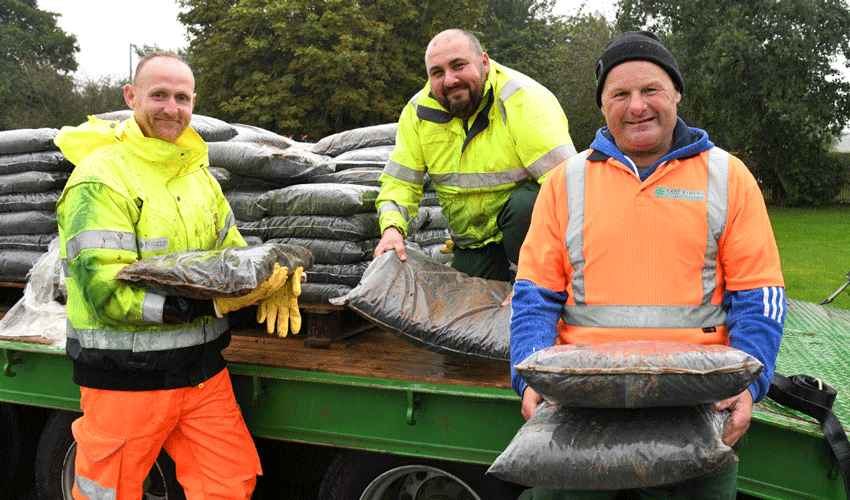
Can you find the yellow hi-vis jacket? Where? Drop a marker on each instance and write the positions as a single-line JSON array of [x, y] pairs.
[[128, 198], [519, 133]]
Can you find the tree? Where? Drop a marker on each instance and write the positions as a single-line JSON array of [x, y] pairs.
[[760, 77], [302, 67], [559, 53], [33, 50], [583, 38]]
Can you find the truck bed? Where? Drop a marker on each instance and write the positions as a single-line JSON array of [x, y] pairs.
[[364, 388]]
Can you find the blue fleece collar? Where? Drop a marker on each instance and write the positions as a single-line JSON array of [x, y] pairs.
[[687, 142]]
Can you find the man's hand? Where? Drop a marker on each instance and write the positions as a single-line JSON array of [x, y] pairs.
[[391, 240], [530, 400], [507, 301], [742, 410]]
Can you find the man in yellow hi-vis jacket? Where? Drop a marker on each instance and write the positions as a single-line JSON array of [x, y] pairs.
[[487, 136], [149, 366]]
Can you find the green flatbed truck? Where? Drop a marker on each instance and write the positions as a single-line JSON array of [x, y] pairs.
[[348, 411]]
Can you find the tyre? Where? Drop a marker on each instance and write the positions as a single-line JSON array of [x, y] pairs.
[[54, 464], [358, 475]]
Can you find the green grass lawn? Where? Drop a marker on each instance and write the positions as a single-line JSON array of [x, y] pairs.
[[814, 246]]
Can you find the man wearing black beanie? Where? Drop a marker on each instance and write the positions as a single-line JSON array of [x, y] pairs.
[[651, 234]]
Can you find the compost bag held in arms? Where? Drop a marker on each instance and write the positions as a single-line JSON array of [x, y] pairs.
[[204, 274], [434, 306], [562, 448], [636, 374]]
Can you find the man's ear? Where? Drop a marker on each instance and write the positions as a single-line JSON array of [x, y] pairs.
[[129, 95]]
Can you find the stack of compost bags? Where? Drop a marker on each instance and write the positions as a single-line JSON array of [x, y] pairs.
[[318, 195], [32, 175]]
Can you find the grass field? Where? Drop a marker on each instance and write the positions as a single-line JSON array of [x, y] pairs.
[[814, 246]]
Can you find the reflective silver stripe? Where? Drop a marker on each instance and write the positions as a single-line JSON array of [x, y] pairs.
[[701, 316], [574, 239], [152, 308], [392, 206], [101, 239], [229, 222], [481, 180], [148, 341], [509, 89], [93, 490], [402, 173], [717, 199], [551, 160], [66, 268], [630, 316]]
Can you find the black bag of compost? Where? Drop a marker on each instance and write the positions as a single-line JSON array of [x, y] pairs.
[[204, 274], [435, 307], [562, 448], [636, 374]]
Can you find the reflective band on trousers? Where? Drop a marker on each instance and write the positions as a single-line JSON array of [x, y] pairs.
[[658, 316], [148, 341], [93, 490]]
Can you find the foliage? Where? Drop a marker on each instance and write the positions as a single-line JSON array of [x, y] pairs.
[[582, 39], [558, 53], [759, 77], [33, 49], [314, 68]]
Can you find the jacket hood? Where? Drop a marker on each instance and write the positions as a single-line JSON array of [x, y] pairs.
[[78, 142]]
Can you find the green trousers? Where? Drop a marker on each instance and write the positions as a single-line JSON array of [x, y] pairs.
[[493, 261], [720, 486]]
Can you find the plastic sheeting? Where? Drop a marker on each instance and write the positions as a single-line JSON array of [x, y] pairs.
[[562, 448], [231, 272], [41, 311], [636, 374], [434, 306]]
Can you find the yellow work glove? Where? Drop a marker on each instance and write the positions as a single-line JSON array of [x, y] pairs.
[[224, 305], [449, 248], [280, 311]]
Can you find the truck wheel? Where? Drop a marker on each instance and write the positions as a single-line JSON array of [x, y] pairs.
[[375, 476], [54, 464]]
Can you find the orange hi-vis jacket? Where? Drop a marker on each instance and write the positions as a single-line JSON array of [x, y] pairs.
[[678, 253], [650, 260]]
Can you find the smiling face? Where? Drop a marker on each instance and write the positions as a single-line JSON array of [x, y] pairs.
[[639, 104], [162, 98], [456, 73]]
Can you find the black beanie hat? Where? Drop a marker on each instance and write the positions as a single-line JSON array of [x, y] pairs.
[[636, 46]]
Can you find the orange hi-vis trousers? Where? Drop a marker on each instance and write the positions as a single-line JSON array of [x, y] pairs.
[[201, 428]]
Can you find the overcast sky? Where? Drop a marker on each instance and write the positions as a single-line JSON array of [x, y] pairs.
[[105, 29]]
